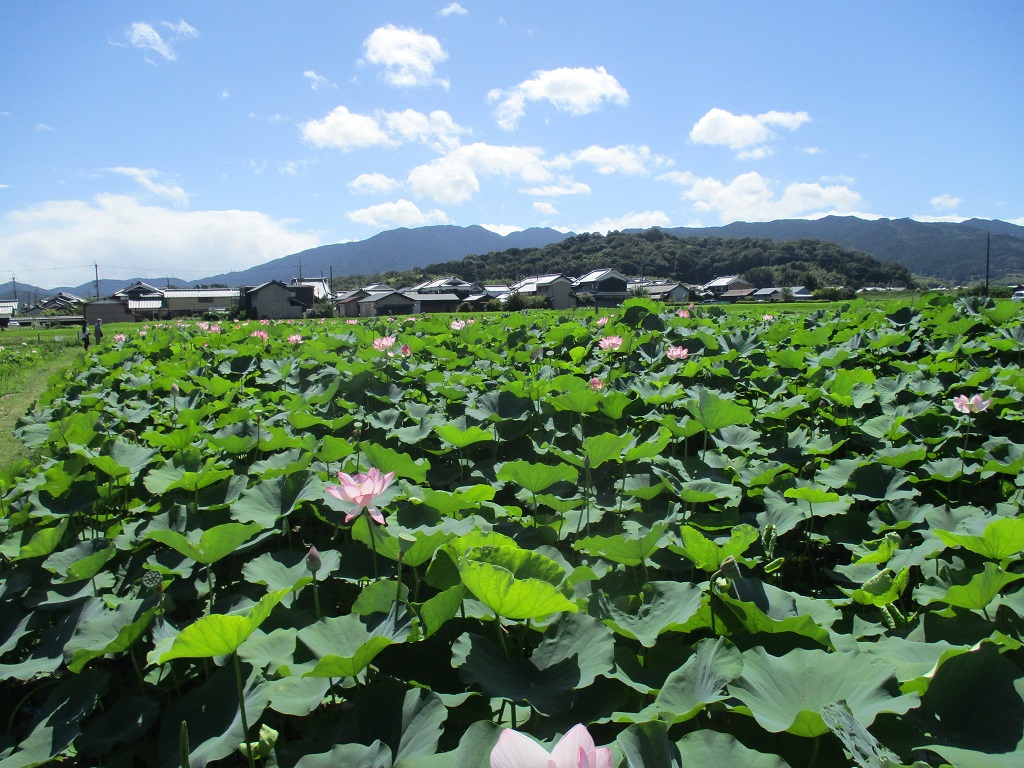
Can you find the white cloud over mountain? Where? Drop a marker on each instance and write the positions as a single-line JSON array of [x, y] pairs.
[[746, 134], [574, 90], [400, 213]]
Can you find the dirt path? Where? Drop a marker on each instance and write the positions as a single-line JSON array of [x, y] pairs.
[[14, 404]]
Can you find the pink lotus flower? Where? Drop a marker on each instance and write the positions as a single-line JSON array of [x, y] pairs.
[[214, 329], [120, 337], [767, 318], [574, 750], [361, 490], [602, 321], [352, 322], [406, 350], [610, 342], [683, 312], [976, 404], [264, 322], [295, 338], [676, 353], [384, 343], [458, 325], [596, 384], [259, 335]]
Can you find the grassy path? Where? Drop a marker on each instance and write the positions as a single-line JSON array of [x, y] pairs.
[[24, 391]]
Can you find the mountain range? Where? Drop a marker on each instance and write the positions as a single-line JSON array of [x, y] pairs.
[[943, 252]]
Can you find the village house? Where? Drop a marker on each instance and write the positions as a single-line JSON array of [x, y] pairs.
[[608, 287], [557, 289], [274, 300]]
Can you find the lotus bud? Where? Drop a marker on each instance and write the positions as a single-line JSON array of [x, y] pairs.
[[313, 561]]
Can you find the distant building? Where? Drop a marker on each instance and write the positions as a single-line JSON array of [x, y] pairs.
[[557, 289], [667, 292], [720, 285], [608, 287], [276, 301], [321, 286]]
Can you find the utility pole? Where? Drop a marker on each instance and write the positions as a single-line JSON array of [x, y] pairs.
[[96, 269], [14, 280]]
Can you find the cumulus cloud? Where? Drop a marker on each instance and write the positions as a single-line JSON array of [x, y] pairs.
[[154, 240], [401, 213], [625, 159], [452, 9], [316, 82], [545, 209], [502, 229], [750, 197], [633, 220], [373, 183], [145, 37], [346, 130], [147, 178], [565, 186], [746, 134], [577, 91], [408, 56], [945, 202], [454, 178]]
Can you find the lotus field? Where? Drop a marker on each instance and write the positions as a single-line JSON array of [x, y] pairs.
[[637, 537]]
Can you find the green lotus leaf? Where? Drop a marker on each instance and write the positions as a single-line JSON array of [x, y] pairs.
[[185, 472], [713, 412], [607, 446], [767, 609], [628, 549], [462, 438], [453, 503], [124, 459], [811, 495], [441, 608], [101, 631], [1002, 538], [269, 500], [707, 554], [700, 681], [660, 607], [376, 755], [43, 541], [214, 544], [536, 477], [881, 589], [514, 583], [402, 464], [789, 693], [981, 589], [124, 723], [217, 634], [707, 747], [646, 745], [345, 645], [296, 696], [573, 653]]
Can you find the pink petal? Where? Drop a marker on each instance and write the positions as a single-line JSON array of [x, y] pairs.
[[376, 515], [567, 750], [601, 758], [335, 491], [516, 750]]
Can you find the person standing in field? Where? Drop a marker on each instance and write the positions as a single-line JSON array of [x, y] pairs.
[[98, 330], [84, 335]]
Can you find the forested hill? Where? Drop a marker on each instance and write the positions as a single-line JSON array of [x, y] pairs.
[[691, 260]]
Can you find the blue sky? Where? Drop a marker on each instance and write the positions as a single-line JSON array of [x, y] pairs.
[[191, 138]]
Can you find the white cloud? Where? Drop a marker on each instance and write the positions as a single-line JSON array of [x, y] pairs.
[[294, 167], [454, 178], [316, 82], [744, 133], [152, 240], [502, 229], [545, 209], [757, 153], [401, 213], [373, 183], [1019, 222], [945, 202], [811, 150], [577, 91], [346, 130], [947, 219], [146, 177], [750, 197], [436, 130], [145, 37], [452, 9], [641, 220], [623, 159], [43, 128], [565, 186], [407, 55]]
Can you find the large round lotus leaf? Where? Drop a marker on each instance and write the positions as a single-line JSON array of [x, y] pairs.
[[788, 693]]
